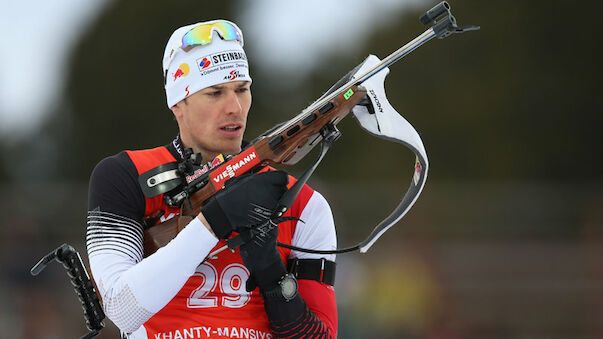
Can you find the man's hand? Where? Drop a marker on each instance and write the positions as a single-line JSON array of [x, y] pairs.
[[260, 251], [244, 201], [262, 258]]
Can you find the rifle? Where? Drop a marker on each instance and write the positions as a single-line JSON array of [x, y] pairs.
[[289, 142]]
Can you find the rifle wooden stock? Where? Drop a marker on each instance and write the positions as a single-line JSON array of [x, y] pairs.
[[296, 133]]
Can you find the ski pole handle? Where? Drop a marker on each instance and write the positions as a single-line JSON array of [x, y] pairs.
[[71, 260]]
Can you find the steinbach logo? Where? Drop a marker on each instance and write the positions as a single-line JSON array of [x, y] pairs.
[[182, 71], [236, 166], [221, 59], [228, 56], [204, 63]]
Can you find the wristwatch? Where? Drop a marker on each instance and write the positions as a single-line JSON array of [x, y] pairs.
[[286, 289]]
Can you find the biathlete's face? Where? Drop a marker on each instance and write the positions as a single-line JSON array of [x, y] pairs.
[[212, 121]]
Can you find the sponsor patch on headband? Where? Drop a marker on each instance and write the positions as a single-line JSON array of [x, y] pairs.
[[226, 60], [182, 71], [234, 75]]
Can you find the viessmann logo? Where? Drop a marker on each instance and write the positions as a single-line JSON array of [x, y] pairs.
[[238, 165]]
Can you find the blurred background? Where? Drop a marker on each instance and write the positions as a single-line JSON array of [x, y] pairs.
[[505, 240]]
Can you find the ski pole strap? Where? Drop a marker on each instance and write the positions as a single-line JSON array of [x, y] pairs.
[[321, 270]]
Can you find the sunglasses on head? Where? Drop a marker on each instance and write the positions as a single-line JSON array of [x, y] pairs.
[[202, 35]]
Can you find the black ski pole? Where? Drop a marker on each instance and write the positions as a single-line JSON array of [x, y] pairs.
[[71, 260]]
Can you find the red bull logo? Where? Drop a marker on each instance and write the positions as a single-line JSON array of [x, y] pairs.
[[200, 171], [217, 160], [182, 71], [204, 63]]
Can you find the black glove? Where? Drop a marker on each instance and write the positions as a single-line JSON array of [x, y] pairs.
[[261, 257], [245, 201]]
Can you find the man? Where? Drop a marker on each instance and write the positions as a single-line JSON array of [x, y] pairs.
[[178, 291]]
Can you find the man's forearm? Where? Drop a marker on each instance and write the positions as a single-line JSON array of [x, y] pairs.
[[293, 319]]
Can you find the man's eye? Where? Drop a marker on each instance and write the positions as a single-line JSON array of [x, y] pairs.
[[214, 93]]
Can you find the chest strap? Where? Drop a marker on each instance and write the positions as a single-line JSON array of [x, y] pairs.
[[321, 270]]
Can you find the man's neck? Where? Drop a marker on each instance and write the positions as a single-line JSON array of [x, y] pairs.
[[207, 156], [180, 145]]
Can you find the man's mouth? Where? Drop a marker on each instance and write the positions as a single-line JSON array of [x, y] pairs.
[[231, 127]]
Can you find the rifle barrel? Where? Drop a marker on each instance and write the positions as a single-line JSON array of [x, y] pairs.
[[389, 60], [395, 56]]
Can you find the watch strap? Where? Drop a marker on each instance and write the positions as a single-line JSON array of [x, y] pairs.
[[277, 292]]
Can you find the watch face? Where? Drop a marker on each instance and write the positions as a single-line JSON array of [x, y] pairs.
[[289, 287]]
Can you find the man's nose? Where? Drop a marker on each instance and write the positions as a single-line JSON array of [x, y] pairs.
[[232, 104]]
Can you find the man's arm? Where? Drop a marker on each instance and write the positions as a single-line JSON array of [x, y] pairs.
[[133, 288], [317, 232], [312, 313], [319, 319]]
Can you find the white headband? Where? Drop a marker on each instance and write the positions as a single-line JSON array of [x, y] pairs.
[[203, 66]]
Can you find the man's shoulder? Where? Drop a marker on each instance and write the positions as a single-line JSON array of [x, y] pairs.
[[114, 187], [111, 164], [147, 159], [134, 160]]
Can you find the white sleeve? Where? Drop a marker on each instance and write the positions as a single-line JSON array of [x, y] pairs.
[[134, 289], [317, 231]]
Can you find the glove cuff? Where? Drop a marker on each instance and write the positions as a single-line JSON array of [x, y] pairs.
[[218, 221], [268, 278]]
